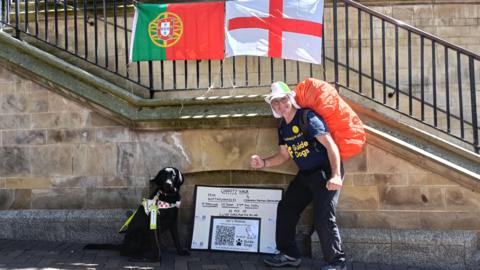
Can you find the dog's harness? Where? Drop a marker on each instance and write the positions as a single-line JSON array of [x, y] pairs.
[[152, 206]]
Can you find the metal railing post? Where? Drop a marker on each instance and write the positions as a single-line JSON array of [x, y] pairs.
[[473, 96], [2, 13], [335, 42], [17, 19]]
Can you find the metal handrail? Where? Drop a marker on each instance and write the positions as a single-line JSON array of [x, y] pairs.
[[466, 116], [411, 28]]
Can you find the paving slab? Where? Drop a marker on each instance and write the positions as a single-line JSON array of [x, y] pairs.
[[40, 255]]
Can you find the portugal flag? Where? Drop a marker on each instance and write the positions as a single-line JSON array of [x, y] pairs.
[[178, 31]]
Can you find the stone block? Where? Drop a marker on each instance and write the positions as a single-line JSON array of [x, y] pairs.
[[434, 220], [97, 120], [59, 198], [52, 160], [356, 198], [95, 233], [411, 198], [6, 232], [348, 179], [37, 101], [368, 252], [380, 179], [27, 183], [370, 236], [93, 226], [94, 160], [381, 161], [6, 76], [440, 256], [48, 231], [423, 11], [215, 178], [125, 161], [229, 149], [112, 134], [124, 181], [23, 199], [429, 179], [462, 199], [70, 136], [14, 161], [13, 103], [75, 181], [95, 215], [357, 163], [260, 178], [58, 103], [186, 155], [104, 198], [32, 216], [187, 193], [18, 137], [15, 121], [7, 197], [403, 13], [466, 239], [72, 120]]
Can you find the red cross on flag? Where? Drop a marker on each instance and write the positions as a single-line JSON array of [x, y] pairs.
[[288, 29]]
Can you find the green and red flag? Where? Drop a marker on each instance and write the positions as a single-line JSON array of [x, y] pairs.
[[178, 31]]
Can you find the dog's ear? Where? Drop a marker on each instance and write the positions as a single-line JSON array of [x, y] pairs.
[[179, 177]]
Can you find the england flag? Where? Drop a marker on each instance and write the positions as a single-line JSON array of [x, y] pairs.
[[288, 29]]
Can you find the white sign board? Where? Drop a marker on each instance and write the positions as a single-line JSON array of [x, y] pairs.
[[235, 218]]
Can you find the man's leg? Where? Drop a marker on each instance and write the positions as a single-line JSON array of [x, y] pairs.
[[324, 204], [295, 199]]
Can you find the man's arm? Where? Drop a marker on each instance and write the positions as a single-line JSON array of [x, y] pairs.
[[335, 181], [277, 159]]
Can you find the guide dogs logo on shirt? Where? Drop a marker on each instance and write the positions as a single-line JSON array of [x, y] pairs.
[[166, 29], [295, 129]]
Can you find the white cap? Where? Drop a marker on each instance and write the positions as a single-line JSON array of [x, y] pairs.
[[280, 90]]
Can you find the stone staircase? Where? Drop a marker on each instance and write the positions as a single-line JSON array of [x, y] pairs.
[[237, 109]]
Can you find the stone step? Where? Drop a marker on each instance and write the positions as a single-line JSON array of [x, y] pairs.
[[454, 249]]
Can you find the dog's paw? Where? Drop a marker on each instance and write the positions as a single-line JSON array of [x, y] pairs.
[[183, 252]]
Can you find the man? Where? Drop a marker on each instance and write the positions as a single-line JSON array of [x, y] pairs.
[[319, 180]]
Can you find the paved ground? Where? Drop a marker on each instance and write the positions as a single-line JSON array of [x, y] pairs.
[[35, 255]]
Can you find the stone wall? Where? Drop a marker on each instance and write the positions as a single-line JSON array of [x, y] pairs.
[[457, 22], [55, 154]]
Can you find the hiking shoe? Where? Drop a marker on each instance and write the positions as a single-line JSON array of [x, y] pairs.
[[339, 266], [281, 259]]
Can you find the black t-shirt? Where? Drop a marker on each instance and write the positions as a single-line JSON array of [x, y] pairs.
[[301, 147]]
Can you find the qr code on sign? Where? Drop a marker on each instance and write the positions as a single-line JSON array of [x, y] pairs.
[[224, 235]]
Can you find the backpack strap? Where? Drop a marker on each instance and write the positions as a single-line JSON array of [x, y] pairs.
[[304, 127], [280, 124], [304, 122]]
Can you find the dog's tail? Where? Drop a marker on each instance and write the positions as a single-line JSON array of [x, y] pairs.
[[102, 246]]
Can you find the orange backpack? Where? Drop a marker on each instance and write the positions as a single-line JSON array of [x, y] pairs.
[[343, 123]]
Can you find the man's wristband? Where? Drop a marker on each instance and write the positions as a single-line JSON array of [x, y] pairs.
[[264, 163]]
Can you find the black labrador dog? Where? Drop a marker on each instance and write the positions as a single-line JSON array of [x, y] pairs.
[[142, 236]]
